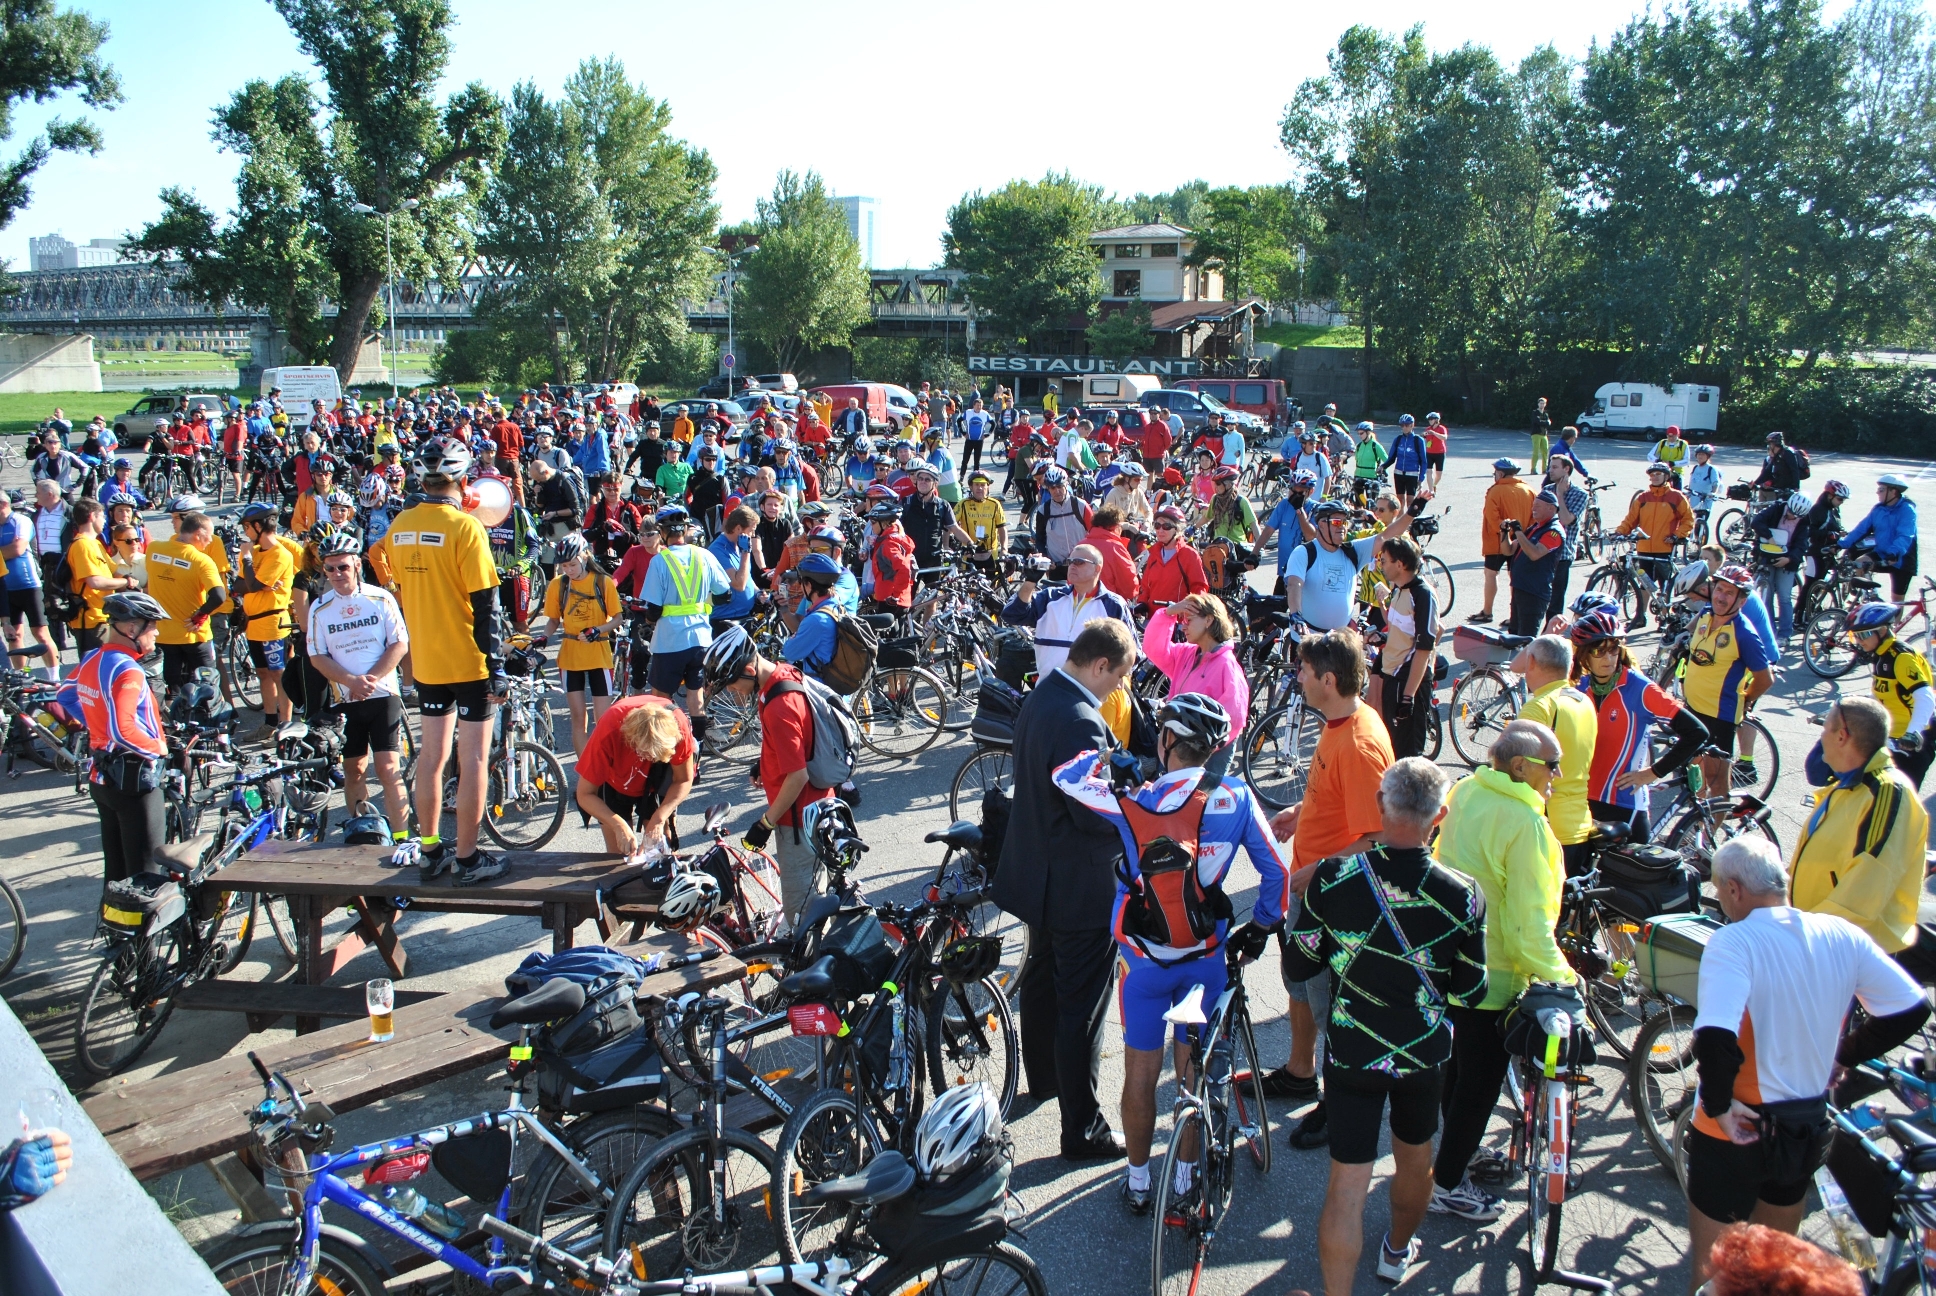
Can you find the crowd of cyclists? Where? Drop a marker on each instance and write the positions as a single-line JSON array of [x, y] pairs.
[[401, 553]]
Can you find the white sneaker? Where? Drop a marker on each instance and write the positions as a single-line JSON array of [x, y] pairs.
[[1392, 1265], [1467, 1201]]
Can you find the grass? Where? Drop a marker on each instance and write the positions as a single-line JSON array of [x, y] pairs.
[[165, 361], [22, 412], [1302, 335]]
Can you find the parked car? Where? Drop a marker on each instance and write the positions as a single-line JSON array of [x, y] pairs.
[[902, 405], [723, 385], [133, 428], [777, 382], [1648, 410], [1195, 409], [1264, 397], [1117, 390]]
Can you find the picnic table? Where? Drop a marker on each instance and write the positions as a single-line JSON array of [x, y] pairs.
[[562, 889]]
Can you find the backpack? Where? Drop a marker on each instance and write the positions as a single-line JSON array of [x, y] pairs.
[[836, 738], [1167, 903], [63, 604], [856, 647], [1802, 468], [1310, 551]]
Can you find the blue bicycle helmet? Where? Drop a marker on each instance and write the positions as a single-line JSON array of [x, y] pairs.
[[672, 515], [1874, 618], [259, 511]]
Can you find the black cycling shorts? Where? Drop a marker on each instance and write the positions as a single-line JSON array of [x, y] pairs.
[[179, 662], [1354, 1108], [1720, 733], [471, 699], [1495, 562], [374, 724], [271, 654], [25, 604], [1435, 460], [669, 670], [1724, 1179], [1404, 484], [597, 682]]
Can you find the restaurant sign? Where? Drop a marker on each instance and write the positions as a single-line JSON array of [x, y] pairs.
[[1055, 366]]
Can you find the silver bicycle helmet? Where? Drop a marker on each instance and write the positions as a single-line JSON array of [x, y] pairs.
[[338, 543], [1799, 504], [571, 548], [729, 656], [444, 456], [956, 1126], [689, 900], [1689, 578], [374, 490], [133, 605], [1200, 719]]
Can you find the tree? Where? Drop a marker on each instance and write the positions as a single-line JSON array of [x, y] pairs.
[[1026, 251], [1123, 333], [378, 139], [598, 220], [44, 54], [1182, 206], [1254, 234], [804, 287]]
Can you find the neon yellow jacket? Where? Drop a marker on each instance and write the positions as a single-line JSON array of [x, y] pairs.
[[1495, 832], [1867, 868]]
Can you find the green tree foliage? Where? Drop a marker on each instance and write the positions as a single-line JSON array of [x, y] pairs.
[[804, 287], [1122, 333], [45, 53], [1183, 206], [598, 220], [377, 138], [1026, 251], [1253, 234]]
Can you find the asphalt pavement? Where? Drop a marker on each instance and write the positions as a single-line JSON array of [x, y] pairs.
[[1626, 1223]]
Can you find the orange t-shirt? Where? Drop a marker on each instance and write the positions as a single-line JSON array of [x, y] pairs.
[[1341, 797]]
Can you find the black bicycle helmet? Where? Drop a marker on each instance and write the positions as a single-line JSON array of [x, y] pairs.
[[1326, 509], [1198, 718], [133, 605], [729, 657]]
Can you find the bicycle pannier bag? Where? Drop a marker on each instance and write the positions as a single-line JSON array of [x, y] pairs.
[[1649, 880], [1014, 658], [621, 1072], [898, 654], [1167, 902], [862, 956], [1670, 954], [146, 902], [836, 737], [997, 706], [856, 648]]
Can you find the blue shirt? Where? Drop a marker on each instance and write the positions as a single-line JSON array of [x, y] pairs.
[[1233, 447], [114, 490], [812, 645], [1290, 534], [974, 424], [1755, 610], [695, 630], [1892, 525], [23, 573], [1408, 454], [729, 553], [592, 455]]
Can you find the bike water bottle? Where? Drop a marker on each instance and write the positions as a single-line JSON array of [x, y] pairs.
[[897, 1067], [414, 1206]]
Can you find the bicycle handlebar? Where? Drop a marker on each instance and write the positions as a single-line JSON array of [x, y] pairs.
[[277, 771]]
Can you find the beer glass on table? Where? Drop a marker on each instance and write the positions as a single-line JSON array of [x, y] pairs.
[[380, 996]]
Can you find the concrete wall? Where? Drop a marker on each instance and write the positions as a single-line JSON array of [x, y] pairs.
[[1318, 376], [48, 362]]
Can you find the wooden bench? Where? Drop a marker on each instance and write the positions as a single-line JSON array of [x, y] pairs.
[[265, 1003]]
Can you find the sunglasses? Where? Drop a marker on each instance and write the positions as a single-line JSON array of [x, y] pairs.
[[1552, 766], [1081, 562], [1166, 526], [337, 568]]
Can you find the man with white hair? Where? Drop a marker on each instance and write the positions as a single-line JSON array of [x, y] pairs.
[[1777, 980], [1547, 664], [1059, 612]]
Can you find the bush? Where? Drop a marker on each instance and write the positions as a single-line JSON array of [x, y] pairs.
[[1887, 410]]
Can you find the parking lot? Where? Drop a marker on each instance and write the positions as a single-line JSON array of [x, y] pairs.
[[1627, 1223]]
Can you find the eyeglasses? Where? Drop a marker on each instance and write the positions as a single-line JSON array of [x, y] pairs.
[[1082, 562], [1551, 766], [337, 569]]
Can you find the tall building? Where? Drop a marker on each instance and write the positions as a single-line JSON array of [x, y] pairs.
[[52, 252], [862, 214]]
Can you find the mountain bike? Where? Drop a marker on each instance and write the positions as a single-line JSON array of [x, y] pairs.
[[1221, 1115], [13, 927], [1275, 756], [1483, 702], [1660, 1078], [1625, 579], [524, 802]]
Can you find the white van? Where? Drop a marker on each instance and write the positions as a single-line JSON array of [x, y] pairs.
[[1120, 390], [1649, 411], [302, 384]]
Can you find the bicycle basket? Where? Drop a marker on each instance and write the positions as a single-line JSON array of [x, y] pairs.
[[1481, 646], [145, 902], [997, 707], [862, 955], [1740, 491], [971, 958]]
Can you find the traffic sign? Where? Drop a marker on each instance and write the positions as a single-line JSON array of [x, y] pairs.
[[727, 360]]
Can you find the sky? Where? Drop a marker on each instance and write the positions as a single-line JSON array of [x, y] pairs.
[[913, 105]]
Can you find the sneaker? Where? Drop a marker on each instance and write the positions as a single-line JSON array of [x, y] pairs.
[[1467, 1201], [432, 860], [482, 868], [1313, 1131], [1393, 1264], [1282, 1084], [1489, 1167], [1136, 1200]]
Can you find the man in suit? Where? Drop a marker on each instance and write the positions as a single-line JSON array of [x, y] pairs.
[[1058, 875]]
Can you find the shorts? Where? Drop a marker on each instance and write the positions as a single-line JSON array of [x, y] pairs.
[[597, 682], [1724, 1180], [1354, 1109], [471, 699], [1720, 733], [1496, 562], [25, 603], [374, 724], [1435, 460], [1147, 990], [1404, 484], [269, 654], [179, 662], [670, 670]]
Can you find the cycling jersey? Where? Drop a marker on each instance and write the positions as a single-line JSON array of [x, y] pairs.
[[1703, 484], [354, 630], [439, 557], [1721, 657], [179, 578], [1626, 716], [580, 604], [1670, 450], [983, 520], [1900, 673], [110, 692], [85, 558]]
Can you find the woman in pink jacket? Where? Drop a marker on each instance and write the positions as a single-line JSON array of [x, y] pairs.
[[1203, 661]]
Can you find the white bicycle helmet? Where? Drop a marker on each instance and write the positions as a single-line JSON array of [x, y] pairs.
[[689, 900], [570, 548], [374, 490], [955, 1127], [1689, 577], [444, 456], [1799, 504], [1197, 717]]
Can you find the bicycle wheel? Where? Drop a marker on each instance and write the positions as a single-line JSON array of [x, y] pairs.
[[281, 924], [207, 470], [257, 1264], [949, 652], [1481, 706], [1434, 733], [1591, 534], [1757, 761], [1438, 577], [1181, 1239], [972, 1039], [13, 927], [1545, 1183], [1247, 1095], [1732, 530], [559, 1208], [236, 926], [240, 687], [1660, 1077], [828, 1137], [125, 1007], [985, 768], [1616, 1000], [1614, 583], [1276, 753], [1695, 839], [529, 811], [731, 721], [900, 712], [1825, 644], [1000, 1270], [697, 1201]]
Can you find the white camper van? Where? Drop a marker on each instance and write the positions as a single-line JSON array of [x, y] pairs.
[[1119, 390], [1645, 410], [302, 384]]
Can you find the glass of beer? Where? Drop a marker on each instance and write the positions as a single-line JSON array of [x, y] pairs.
[[380, 996]]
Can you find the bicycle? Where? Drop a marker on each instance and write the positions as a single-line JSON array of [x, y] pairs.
[[1592, 529], [1624, 577], [1483, 702], [1222, 1109], [1696, 825], [1431, 568], [1828, 648], [524, 801], [13, 927], [1545, 1140], [1275, 758]]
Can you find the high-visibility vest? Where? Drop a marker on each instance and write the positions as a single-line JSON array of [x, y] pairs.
[[689, 581]]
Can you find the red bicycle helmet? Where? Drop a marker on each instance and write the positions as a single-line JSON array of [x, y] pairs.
[[1598, 627], [1736, 575], [1224, 474]]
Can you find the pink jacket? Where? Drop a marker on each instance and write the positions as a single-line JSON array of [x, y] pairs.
[[1214, 674]]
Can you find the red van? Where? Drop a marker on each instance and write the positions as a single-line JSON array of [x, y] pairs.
[[872, 397], [1264, 397]]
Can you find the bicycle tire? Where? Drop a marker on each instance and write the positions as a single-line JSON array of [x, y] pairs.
[[900, 712], [1695, 841], [1825, 643], [1434, 733], [731, 720], [1543, 1214], [255, 1263], [1438, 577], [827, 1137], [966, 1272], [1481, 706], [1660, 1078], [544, 781], [1614, 582], [1619, 1006], [1731, 530], [971, 1038], [556, 1206], [695, 1154], [282, 925], [1184, 1245], [985, 768], [124, 973], [240, 685], [1275, 759], [13, 927], [1591, 534], [1764, 760], [1247, 1094], [237, 927]]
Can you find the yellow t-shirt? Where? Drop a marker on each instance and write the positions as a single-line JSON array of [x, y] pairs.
[[268, 609], [218, 553], [1571, 716], [589, 601], [180, 577], [983, 520], [1722, 657], [440, 556], [1115, 712], [85, 558]]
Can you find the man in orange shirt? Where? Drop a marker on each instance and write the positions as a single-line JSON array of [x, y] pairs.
[[1338, 815], [1509, 504]]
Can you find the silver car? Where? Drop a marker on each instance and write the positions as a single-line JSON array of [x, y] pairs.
[[134, 428]]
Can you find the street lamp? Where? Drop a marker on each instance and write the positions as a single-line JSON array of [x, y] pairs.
[[389, 280], [731, 248]]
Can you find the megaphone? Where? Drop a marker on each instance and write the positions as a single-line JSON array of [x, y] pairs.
[[488, 500]]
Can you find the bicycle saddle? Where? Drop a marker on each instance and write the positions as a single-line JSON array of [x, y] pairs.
[[881, 622], [960, 834], [1514, 641], [1190, 1011], [1609, 832], [1918, 1144], [886, 1177], [554, 999], [814, 982], [1282, 620], [180, 858], [817, 910], [294, 729]]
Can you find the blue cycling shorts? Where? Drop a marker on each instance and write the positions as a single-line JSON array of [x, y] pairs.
[[1146, 990]]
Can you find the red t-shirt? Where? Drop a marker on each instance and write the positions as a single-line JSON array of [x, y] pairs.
[[786, 743], [510, 439], [609, 760]]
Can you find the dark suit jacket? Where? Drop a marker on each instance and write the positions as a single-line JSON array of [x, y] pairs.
[[1058, 860]]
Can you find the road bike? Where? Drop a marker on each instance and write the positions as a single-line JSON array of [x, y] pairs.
[[1827, 646], [1545, 1142], [1625, 579], [524, 800], [1220, 1116]]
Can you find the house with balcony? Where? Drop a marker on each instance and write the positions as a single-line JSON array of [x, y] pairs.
[[1188, 313]]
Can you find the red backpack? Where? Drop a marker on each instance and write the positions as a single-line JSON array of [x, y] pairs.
[[1167, 902]]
